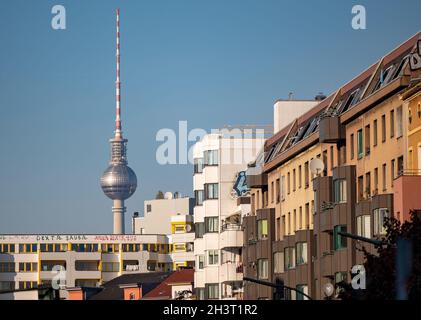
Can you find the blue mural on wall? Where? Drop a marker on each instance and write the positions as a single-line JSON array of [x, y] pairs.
[[240, 187]]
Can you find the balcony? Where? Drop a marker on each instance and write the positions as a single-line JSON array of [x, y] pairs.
[[330, 130], [231, 271], [326, 261], [406, 193], [231, 235], [326, 221]]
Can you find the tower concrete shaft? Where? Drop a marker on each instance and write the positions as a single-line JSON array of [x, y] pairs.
[[118, 216]]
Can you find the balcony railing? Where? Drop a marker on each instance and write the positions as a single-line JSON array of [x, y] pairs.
[[409, 172], [231, 226]]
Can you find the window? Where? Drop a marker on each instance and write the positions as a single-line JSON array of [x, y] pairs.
[[201, 261], [368, 184], [401, 66], [352, 146], [364, 226], [339, 187], [28, 267], [211, 191], [278, 190], [400, 165], [7, 267], [300, 218], [262, 229], [7, 285], [92, 247], [213, 291], [384, 77], [332, 157], [262, 269], [384, 176], [399, 126], [289, 183], [360, 149], [294, 180], [50, 247], [340, 277], [392, 171], [213, 256], [284, 226], [299, 177], [48, 265], [179, 247], [211, 224], [383, 128], [27, 285], [278, 262], [7, 248], [409, 115], [392, 123], [367, 140], [306, 175], [107, 248], [375, 133], [376, 181], [151, 265], [199, 229], [211, 158], [148, 208], [198, 165], [28, 248], [360, 186], [272, 192], [200, 293], [294, 219], [283, 188], [301, 253], [199, 197], [324, 159], [380, 216], [352, 99], [304, 289], [132, 296], [307, 216], [289, 254], [339, 242]]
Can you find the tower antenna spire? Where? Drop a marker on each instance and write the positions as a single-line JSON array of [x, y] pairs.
[[118, 132]]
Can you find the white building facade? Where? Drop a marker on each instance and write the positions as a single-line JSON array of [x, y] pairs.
[[219, 164], [30, 261]]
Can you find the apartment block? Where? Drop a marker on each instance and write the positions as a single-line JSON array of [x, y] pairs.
[[221, 192], [341, 167]]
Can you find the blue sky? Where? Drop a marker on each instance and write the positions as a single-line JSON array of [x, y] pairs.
[[211, 63]]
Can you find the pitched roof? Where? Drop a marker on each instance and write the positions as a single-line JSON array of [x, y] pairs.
[[163, 291], [113, 291], [348, 95]]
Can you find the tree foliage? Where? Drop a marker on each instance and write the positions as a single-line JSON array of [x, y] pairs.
[[159, 195], [380, 268]]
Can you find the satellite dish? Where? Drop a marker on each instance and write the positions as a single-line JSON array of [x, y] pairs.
[[168, 195], [188, 228], [316, 166]]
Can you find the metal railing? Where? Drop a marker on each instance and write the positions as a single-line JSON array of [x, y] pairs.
[[409, 172], [231, 226]]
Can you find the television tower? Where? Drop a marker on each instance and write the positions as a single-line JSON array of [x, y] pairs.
[[118, 181]]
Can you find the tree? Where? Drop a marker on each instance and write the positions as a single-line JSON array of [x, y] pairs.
[[159, 195], [380, 268]]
